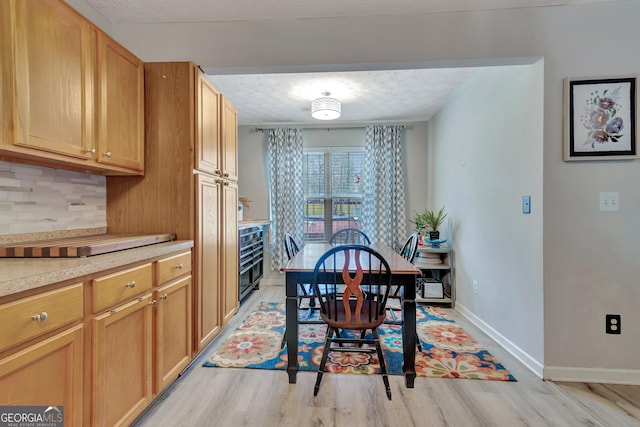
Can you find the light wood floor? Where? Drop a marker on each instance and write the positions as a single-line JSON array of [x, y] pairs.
[[225, 397]]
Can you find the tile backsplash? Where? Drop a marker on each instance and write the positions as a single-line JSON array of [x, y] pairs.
[[37, 199]]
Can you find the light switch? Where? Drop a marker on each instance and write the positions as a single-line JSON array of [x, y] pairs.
[[609, 202], [526, 204]]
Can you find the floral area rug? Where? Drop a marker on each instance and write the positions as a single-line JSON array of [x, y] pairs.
[[448, 351]]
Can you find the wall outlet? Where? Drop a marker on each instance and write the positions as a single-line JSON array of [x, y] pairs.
[[613, 324], [475, 287]]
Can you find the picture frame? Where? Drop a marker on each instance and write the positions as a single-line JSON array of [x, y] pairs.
[[600, 118]]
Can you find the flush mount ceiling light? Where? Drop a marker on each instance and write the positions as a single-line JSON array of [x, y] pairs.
[[325, 108]]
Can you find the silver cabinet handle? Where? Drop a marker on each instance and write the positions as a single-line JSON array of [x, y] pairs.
[[164, 296], [107, 154], [153, 303], [40, 317], [131, 284], [91, 151], [179, 266]]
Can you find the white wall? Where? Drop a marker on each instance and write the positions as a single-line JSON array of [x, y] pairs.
[[485, 153], [590, 258]]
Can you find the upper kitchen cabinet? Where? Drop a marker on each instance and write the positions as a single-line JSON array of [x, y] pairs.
[[57, 68], [229, 140], [216, 127], [207, 125], [120, 106]]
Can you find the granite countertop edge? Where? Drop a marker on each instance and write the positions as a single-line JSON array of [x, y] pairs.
[[23, 274]]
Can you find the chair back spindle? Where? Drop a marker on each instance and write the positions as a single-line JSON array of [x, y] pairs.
[[350, 236]]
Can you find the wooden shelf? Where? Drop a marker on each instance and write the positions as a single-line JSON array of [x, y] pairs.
[[442, 272]]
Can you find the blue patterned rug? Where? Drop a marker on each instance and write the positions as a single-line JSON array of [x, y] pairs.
[[448, 350]]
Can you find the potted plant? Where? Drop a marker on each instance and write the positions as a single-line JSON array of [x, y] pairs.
[[420, 221], [434, 221], [429, 221]]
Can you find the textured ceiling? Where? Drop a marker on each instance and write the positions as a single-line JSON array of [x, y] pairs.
[[153, 11], [367, 96]]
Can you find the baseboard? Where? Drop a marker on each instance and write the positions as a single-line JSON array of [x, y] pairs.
[[592, 375], [532, 364]]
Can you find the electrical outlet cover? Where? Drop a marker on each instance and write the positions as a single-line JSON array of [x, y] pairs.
[[613, 324]]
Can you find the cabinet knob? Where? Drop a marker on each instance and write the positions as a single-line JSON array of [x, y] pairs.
[[179, 266], [217, 171], [91, 151], [164, 296], [107, 154], [131, 284], [40, 317], [226, 174], [225, 183], [153, 303]]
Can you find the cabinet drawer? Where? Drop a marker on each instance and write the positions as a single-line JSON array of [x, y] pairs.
[[113, 289], [169, 268], [29, 317]]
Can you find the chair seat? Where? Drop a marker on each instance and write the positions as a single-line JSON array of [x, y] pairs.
[[366, 321]]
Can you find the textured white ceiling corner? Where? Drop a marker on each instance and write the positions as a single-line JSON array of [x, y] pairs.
[[367, 96]]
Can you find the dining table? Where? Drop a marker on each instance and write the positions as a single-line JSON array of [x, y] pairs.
[[299, 269]]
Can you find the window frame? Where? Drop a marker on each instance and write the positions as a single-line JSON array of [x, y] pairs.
[[328, 195]]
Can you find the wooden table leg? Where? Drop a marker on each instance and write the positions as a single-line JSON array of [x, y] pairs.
[[409, 335], [292, 326]]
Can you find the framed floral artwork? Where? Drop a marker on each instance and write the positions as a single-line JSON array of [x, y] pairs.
[[600, 118]]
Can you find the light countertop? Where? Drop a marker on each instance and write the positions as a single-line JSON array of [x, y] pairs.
[[22, 274]]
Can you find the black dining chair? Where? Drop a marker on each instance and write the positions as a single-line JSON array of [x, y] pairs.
[[350, 236], [291, 247], [305, 290], [408, 251], [359, 269]]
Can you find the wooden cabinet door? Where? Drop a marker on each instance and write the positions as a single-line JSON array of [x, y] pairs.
[[122, 363], [207, 259], [48, 90], [173, 331], [229, 140], [48, 373], [120, 106], [207, 125], [229, 253]]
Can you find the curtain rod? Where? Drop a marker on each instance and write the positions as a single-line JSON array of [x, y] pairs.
[[257, 129]]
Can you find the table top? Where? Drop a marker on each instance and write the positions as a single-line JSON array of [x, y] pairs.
[[305, 260]]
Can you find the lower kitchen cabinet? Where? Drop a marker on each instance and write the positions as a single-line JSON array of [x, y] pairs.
[[103, 347], [122, 362], [208, 322], [47, 373], [37, 333], [173, 332], [229, 234]]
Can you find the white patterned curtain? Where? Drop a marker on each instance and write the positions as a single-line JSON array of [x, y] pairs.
[[383, 214], [286, 196]]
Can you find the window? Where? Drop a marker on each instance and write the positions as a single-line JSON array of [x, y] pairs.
[[332, 191]]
